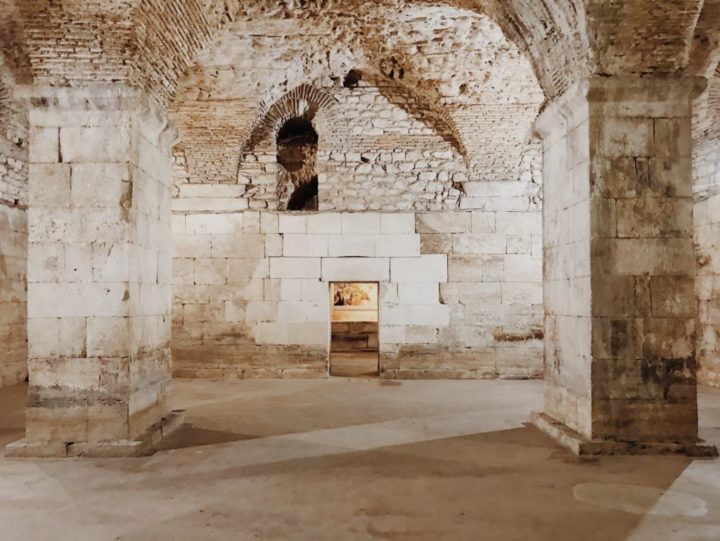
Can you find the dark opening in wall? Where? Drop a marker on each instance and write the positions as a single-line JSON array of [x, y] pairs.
[[352, 79], [297, 143]]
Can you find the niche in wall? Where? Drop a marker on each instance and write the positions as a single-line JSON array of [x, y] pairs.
[[297, 143]]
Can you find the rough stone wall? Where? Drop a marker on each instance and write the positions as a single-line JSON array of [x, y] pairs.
[[706, 161], [13, 236], [460, 290], [448, 78]]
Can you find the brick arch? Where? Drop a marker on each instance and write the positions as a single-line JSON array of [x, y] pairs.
[[303, 101], [553, 33]]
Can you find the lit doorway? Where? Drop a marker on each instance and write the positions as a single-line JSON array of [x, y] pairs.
[[354, 336]]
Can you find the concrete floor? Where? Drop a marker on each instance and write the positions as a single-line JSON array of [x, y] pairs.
[[348, 460]]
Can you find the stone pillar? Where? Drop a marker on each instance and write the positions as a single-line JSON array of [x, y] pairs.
[[619, 267], [99, 278]]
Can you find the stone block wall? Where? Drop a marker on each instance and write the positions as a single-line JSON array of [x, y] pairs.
[[460, 291], [13, 237], [619, 260], [99, 266]]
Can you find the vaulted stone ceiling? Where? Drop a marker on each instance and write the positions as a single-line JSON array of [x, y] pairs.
[[475, 86], [154, 41], [450, 53]]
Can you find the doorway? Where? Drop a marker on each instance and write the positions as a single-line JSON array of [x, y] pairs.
[[354, 333]]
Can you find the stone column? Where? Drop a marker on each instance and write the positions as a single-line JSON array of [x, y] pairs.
[[99, 293], [619, 267]]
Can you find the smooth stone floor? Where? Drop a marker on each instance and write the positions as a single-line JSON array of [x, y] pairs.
[[344, 460]]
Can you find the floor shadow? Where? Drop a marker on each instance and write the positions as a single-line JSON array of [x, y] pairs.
[[505, 485], [190, 435], [13, 400]]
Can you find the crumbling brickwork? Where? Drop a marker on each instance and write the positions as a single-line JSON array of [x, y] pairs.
[[13, 234]]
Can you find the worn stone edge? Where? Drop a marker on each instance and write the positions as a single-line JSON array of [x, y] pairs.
[[145, 445], [581, 446]]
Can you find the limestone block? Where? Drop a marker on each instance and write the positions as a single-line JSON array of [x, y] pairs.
[[43, 337], [108, 336], [673, 296], [443, 222], [271, 288], [177, 223], [494, 188], [517, 244], [302, 245], [397, 223], [77, 300], [436, 243], [522, 293], [94, 144], [309, 333], [418, 293], [192, 245], [44, 145], [483, 222], [273, 245], [183, 271], [78, 263], [327, 222], [241, 270], [257, 311], [407, 314], [356, 223], [423, 269], [315, 291], [291, 289], [519, 223], [349, 245], [203, 224], [475, 268], [522, 268], [488, 243], [100, 185], [397, 245], [626, 136], [392, 334], [640, 217], [388, 294], [238, 245], [646, 256], [299, 311], [454, 293], [267, 333], [46, 262], [354, 268], [49, 185], [208, 204], [292, 223], [211, 190], [295, 267], [269, 223], [211, 271]]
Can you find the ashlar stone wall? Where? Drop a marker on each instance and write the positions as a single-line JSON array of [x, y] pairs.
[[461, 291], [99, 273], [706, 162]]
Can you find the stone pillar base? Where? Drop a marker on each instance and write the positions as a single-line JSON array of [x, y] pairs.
[[581, 446], [145, 445]]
